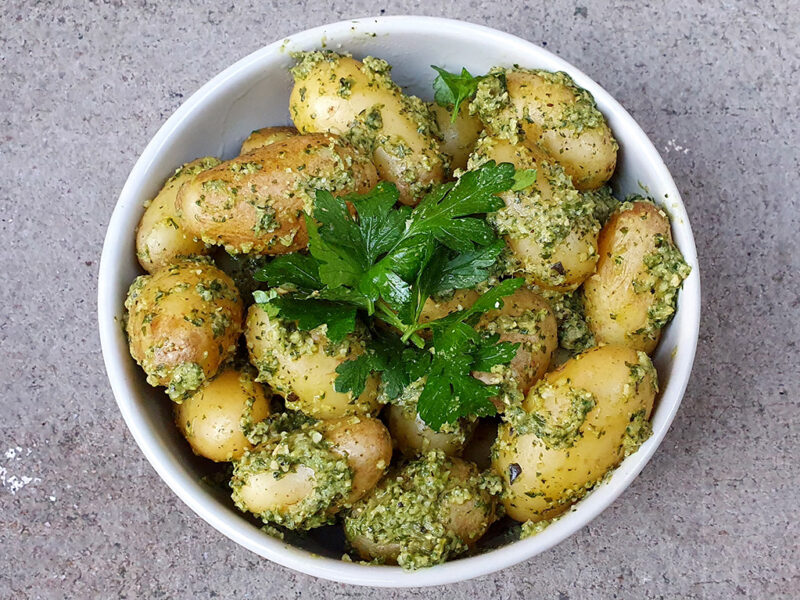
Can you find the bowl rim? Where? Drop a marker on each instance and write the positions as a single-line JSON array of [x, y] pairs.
[[238, 529]]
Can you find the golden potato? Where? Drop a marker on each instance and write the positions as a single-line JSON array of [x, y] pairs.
[[527, 319], [301, 366], [359, 101], [367, 446], [183, 323], [255, 202], [423, 512], [634, 292], [437, 308], [215, 418], [161, 235], [575, 425], [548, 109], [459, 136], [304, 471], [413, 436], [266, 136], [549, 227]]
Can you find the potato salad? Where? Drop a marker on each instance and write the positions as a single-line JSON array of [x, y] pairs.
[[413, 320]]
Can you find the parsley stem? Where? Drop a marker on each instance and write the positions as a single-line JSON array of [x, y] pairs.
[[386, 314]]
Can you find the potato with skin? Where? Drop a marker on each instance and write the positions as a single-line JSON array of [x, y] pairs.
[[413, 436], [549, 227], [550, 110], [183, 323], [366, 444], [266, 136], [633, 293], [359, 101], [301, 366], [459, 136], [437, 308], [161, 236], [214, 418], [255, 202], [301, 475], [447, 505], [574, 427], [525, 319]]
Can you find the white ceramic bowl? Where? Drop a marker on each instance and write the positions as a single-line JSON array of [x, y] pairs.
[[254, 93]]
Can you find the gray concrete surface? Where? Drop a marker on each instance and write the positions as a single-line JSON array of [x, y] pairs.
[[83, 86]]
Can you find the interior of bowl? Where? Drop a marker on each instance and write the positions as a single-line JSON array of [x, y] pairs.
[[254, 93]]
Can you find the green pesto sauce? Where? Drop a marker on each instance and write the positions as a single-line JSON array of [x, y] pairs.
[[555, 431], [637, 432], [186, 378], [410, 509], [603, 201], [574, 334], [215, 289], [531, 528], [283, 443], [579, 115], [493, 106], [666, 271], [548, 221], [195, 167], [308, 61], [639, 429], [340, 180]]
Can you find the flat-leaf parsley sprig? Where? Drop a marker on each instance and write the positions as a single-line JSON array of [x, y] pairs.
[[367, 254]]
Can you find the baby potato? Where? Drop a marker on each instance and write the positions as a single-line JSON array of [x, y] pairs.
[[437, 308], [214, 419], [413, 436], [459, 136], [527, 319], [266, 136], [255, 202], [366, 444], [447, 505], [550, 110], [359, 101], [550, 228], [183, 323], [575, 425], [304, 471], [301, 366], [634, 292], [161, 235]]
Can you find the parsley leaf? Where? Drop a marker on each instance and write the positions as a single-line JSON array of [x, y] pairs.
[[444, 212], [298, 272], [464, 271], [398, 364], [451, 89], [451, 392]]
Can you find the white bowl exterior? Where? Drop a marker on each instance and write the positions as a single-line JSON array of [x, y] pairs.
[[254, 93]]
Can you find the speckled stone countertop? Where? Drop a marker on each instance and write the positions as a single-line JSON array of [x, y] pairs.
[[83, 87]]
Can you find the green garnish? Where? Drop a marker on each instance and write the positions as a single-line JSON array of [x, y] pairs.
[[451, 89], [387, 261]]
